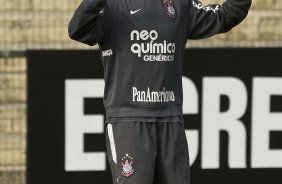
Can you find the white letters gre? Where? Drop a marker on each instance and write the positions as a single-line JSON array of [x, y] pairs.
[[214, 121], [191, 106], [263, 122], [77, 124]]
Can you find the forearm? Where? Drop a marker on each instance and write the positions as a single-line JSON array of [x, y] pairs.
[[205, 21], [83, 24], [234, 12]]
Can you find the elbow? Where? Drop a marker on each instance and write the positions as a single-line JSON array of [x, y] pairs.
[[250, 3], [245, 10], [74, 35], [71, 32], [80, 35]]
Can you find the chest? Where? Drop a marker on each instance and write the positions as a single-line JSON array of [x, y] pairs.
[[164, 15]]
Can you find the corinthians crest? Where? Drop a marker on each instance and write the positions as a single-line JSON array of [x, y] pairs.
[[127, 168], [169, 8]]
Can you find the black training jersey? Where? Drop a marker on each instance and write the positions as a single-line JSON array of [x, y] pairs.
[[142, 46]]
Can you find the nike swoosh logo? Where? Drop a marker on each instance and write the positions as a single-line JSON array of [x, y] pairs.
[[133, 12]]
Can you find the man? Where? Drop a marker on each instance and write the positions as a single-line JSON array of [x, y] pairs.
[[142, 44]]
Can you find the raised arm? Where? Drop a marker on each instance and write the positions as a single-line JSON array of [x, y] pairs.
[[90, 21], [206, 21]]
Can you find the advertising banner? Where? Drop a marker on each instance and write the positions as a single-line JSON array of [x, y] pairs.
[[232, 104]]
